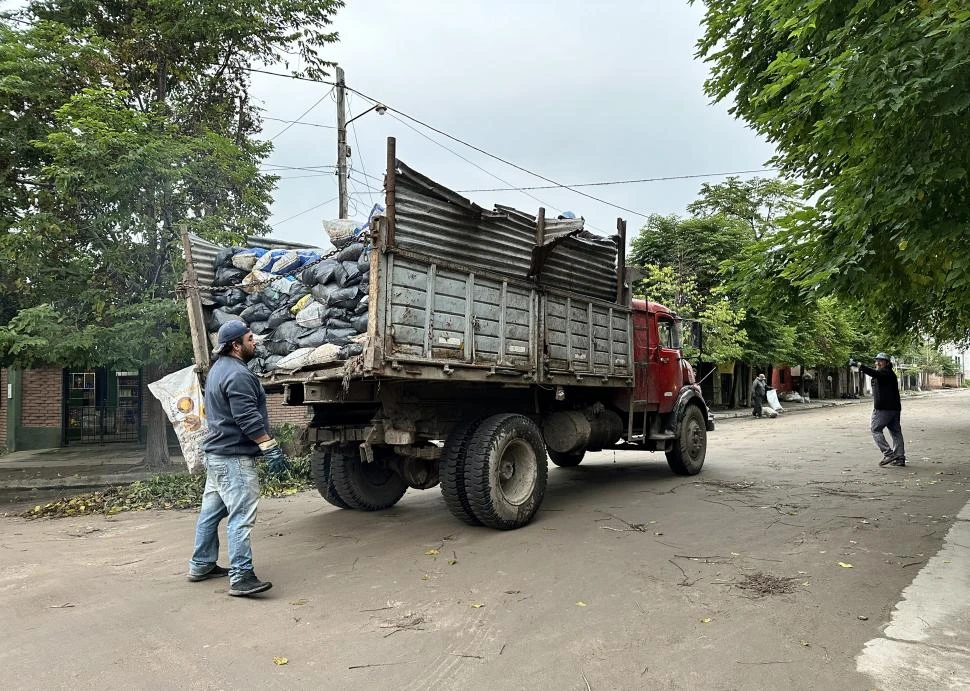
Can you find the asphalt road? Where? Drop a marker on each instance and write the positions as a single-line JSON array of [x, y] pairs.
[[779, 566]]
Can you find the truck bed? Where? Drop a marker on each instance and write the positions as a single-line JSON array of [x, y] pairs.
[[458, 292]]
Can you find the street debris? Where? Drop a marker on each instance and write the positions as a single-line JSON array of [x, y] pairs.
[[280, 661], [764, 584], [844, 565]]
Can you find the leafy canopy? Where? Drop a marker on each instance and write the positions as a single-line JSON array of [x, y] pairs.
[[868, 102]]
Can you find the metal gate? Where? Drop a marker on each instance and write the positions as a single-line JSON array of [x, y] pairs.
[[100, 424]]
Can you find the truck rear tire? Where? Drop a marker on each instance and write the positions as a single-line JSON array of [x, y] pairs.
[[320, 467], [567, 460], [452, 471], [690, 445], [365, 486], [506, 471]]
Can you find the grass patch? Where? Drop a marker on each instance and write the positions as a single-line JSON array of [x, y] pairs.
[[172, 491]]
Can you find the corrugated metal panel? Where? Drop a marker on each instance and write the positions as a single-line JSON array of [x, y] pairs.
[[204, 253], [437, 222]]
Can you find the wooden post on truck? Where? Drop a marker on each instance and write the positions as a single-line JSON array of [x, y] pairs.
[[621, 262], [200, 345], [390, 186]]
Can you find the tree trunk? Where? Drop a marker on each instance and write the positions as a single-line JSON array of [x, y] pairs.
[[156, 439]]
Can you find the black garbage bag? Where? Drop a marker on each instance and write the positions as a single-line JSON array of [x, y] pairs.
[[322, 291], [226, 298], [362, 305], [218, 318], [259, 328], [279, 316], [350, 350], [360, 323], [270, 362], [340, 322], [228, 276], [340, 337], [257, 312], [224, 256], [313, 339], [353, 277], [329, 270], [350, 253], [256, 365], [261, 351], [363, 262], [298, 290], [234, 309], [344, 297]]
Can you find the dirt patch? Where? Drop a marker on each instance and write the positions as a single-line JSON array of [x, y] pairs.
[[764, 584]]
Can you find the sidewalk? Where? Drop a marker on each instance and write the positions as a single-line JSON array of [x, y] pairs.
[[794, 407], [78, 467]]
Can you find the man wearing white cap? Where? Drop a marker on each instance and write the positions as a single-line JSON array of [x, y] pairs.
[[886, 410]]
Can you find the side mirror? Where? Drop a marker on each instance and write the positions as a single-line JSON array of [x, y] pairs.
[[696, 334]]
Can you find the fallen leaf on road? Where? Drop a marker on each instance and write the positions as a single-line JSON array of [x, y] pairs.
[[706, 620], [863, 617], [425, 577], [477, 605], [580, 604], [806, 644], [452, 562], [280, 661], [65, 605], [299, 603], [844, 565], [432, 553]]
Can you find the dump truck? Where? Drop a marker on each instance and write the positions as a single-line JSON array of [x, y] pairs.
[[495, 338]]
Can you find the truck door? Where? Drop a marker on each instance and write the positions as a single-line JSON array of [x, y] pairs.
[[665, 365]]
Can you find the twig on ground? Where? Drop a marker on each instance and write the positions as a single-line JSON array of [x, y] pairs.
[[382, 664], [477, 657], [912, 563], [686, 582], [588, 688], [765, 662]]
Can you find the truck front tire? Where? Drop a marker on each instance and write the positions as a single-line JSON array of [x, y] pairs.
[[505, 471], [690, 445], [365, 486], [320, 467]]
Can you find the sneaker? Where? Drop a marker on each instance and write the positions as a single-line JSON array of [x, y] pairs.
[[899, 463], [248, 584], [887, 460], [215, 572]]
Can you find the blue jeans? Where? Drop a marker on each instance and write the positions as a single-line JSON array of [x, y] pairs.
[[231, 489]]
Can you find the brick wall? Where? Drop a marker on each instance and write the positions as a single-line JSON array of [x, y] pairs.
[[279, 413], [41, 398], [3, 409]]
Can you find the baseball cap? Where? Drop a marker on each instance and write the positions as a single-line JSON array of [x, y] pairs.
[[228, 333], [881, 356]]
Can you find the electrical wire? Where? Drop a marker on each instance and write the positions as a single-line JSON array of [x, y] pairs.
[[305, 211], [305, 113], [624, 182], [297, 122], [353, 127]]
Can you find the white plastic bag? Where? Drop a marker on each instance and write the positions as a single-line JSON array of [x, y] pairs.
[[181, 397], [773, 401]]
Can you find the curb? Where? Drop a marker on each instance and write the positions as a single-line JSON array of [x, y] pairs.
[[84, 481], [802, 407]]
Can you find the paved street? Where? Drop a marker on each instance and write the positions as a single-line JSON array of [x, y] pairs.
[[779, 566]]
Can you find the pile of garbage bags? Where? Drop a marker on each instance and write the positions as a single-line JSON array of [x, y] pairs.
[[304, 309]]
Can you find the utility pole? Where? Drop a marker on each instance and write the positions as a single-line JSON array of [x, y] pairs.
[[341, 144]]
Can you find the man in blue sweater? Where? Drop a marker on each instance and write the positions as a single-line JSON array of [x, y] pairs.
[[235, 408]]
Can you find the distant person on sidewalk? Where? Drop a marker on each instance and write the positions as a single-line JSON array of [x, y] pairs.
[[886, 410], [759, 394], [235, 406]]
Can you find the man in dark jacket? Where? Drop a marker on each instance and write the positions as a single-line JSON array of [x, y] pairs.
[[886, 410], [759, 394], [235, 408]]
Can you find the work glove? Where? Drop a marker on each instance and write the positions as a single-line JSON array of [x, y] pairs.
[[276, 461], [853, 362]]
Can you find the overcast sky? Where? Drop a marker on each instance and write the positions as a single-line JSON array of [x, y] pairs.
[[576, 91]]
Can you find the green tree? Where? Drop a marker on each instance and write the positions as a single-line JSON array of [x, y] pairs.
[[756, 202], [149, 125], [867, 102]]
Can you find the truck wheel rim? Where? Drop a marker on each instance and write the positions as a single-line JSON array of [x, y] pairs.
[[694, 440], [517, 471]]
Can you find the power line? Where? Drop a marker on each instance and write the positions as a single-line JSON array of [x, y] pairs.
[[297, 122], [305, 211], [360, 155], [622, 182], [305, 113]]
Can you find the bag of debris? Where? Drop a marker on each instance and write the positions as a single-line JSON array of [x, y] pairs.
[[351, 350], [279, 316], [314, 338], [350, 253], [246, 259], [181, 398], [270, 363], [340, 337], [234, 309], [327, 271], [353, 277], [363, 262], [344, 297], [359, 323], [256, 280], [362, 305], [300, 304], [256, 313], [226, 298], [295, 360], [228, 276], [218, 318], [340, 231], [321, 291], [224, 256], [311, 316], [774, 402]]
